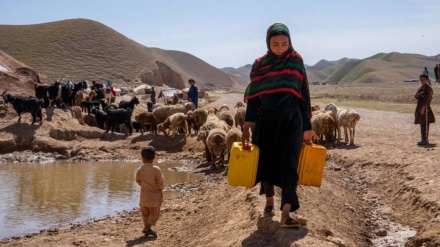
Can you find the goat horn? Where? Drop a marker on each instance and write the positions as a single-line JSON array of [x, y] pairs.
[[4, 92]]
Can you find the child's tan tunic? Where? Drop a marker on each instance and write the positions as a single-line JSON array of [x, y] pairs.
[[151, 180]]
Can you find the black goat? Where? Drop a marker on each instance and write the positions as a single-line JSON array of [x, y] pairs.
[[129, 104], [103, 103], [111, 106], [25, 104], [119, 116], [80, 86], [67, 92], [100, 116], [86, 106], [138, 127], [99, 94], [51, 94]]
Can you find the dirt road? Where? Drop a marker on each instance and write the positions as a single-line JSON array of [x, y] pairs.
[[383, 185]]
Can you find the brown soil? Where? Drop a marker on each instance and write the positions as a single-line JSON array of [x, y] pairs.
[[385, 178]]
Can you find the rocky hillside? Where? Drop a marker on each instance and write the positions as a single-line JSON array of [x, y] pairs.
[[18, 77], [84, 49]]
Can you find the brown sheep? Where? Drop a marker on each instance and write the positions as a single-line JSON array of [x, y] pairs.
[[77, 114], [146, 118], [78, 98], [239, 104], [233, 135], [239, 117], [4, 107], [212, 122], [162, 112], [216, 141], [199, 118]]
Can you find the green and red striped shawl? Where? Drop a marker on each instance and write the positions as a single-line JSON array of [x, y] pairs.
[[271, 74]]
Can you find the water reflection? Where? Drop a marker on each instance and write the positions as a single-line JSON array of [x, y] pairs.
[[41, 196]]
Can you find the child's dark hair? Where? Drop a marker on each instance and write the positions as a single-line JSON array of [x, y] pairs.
[[148, 153]]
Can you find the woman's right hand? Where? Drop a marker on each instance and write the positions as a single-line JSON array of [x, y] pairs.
[[247, 128]]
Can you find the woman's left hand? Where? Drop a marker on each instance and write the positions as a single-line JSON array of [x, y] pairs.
[[309, 136]]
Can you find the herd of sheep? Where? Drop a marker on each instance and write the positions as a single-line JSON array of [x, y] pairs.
[[218, 129]]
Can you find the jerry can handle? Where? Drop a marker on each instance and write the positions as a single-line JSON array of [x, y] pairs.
[[247, 146]]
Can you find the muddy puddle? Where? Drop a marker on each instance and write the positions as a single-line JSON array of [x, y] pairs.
[[37, 196]]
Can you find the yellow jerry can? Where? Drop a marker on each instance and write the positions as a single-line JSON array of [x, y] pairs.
[[311, 164], [243, 165]]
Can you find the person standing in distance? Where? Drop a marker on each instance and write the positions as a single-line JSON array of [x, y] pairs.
[[424, 115], [193, 93], [426, 72], [153, 96], [278, 114]]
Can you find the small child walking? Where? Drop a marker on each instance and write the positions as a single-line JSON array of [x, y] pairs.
[[151, 180]]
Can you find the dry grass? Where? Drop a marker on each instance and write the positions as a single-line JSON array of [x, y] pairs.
[[396, 97]]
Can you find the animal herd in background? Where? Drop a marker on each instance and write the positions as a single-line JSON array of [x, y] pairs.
[[218, 129]]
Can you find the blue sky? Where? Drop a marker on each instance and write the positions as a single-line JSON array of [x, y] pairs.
[[231, 33]]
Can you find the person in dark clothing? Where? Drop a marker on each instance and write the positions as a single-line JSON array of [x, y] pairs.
[[426, 72], [278, 114], [193, 93], [424, 115], [437, 72], [153, 96]]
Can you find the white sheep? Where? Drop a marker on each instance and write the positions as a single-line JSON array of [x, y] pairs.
[[172, 123], [162, 112], [344, 117], [233, 135], [216, 142], [336, 114], [348, 122], [324, 125], [315, 108]]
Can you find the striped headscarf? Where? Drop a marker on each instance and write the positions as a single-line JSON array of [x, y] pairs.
[[272, 74]]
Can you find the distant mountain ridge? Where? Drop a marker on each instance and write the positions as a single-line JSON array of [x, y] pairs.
[[85, 49], [241, 72], [381, 67]]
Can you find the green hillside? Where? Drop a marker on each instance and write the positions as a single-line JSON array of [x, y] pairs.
[[381, 67]]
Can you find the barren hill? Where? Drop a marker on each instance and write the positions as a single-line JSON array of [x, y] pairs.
[[241, 72], [85, 49]]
